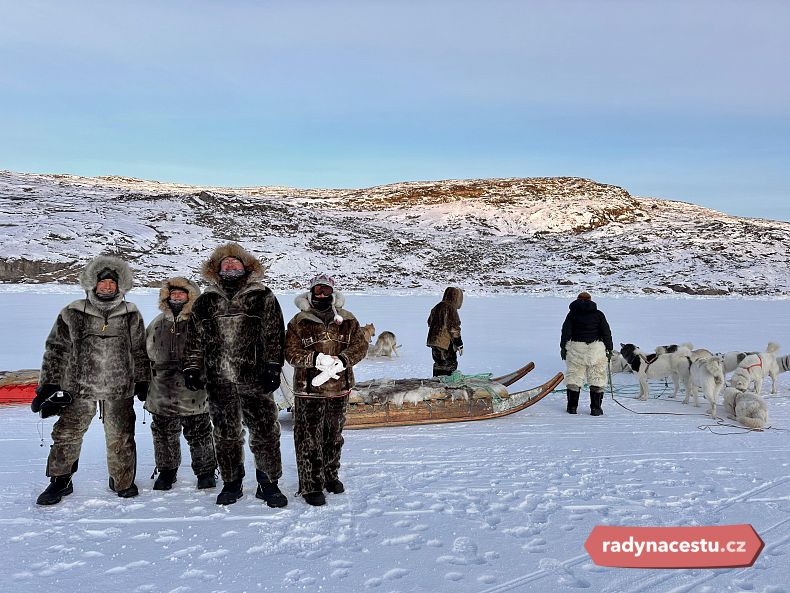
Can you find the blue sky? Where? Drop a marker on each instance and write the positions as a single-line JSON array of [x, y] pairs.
[[684, 100]]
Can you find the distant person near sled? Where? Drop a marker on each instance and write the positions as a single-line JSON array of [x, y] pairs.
[[586, 347], [94, 353], [323, 342], [173, 407], [444, 332], [235, 340]]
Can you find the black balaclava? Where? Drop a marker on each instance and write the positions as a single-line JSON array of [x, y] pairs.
[[232, 279], [107, 274]]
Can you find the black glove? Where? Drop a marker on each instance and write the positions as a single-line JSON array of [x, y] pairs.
[[563, 353], [141, 390], [458, 345], [192, 380], [42, 393], [47, 402], [271, 377]]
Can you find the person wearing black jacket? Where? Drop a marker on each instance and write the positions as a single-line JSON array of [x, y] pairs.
[[586, 347]]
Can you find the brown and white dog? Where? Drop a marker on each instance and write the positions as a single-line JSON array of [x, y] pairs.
[[369, 330]]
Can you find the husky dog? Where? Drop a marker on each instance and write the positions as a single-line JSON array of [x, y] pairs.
[[386, 345], [745, 407], [708, 374], [618, 364], [369, 330], [675, 365], [759, 365]]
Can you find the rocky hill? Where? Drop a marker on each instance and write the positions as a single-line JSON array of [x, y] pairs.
[[536, 235]]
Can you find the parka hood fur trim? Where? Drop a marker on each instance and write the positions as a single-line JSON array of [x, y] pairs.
[[89, 274], [454, 296], [178, 282], [302, 302], [253, 266]]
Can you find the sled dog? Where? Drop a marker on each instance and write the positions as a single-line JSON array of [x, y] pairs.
[[369, 330], [386, 345], [675, 365], [759, 365], [745, 407], [706, 374]]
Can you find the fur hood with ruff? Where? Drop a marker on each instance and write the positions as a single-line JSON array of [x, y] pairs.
[[89, 279], [302, 302], [454, 296], [184, 284], [253, 266]]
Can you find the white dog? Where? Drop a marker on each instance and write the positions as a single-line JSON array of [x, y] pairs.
[[745, 407], [707, 374], [386, 345], [675, 365], [757, 366]]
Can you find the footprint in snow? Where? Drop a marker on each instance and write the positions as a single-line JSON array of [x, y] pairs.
[[564, 575], [464, 552]]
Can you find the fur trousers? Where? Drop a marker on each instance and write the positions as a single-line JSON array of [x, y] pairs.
[[318, 438], [586, 363], [445, 362], [166, 431], [228, 405], [118, 418]]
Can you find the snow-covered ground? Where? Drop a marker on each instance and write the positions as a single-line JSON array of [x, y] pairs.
[[500, 505]]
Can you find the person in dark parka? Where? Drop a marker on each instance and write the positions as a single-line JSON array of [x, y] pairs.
[[444, 332], [235, 340], [94, 353], [171, 404], [586, 347], [323, 342]]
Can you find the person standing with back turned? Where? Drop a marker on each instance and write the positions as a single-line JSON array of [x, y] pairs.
[[586, 347]]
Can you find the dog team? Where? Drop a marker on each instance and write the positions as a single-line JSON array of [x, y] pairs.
[[207, 366], [701, 369]]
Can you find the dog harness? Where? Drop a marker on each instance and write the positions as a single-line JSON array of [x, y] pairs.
[[756, 364]]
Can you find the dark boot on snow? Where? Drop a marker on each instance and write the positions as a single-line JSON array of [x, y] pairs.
[[166, 479], [231, 492], [269, 491], [59, 487], [573, 400], [206, 481], [129, 492], [334, 486], [596, 401], [315, 499]]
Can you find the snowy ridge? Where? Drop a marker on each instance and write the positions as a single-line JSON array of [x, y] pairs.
[[537, 235]]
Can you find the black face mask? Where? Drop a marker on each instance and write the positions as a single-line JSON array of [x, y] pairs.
[[176, 306], [321, 304], [232, 275], [106, 297]]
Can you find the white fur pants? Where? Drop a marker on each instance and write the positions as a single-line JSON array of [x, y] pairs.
[[586, 364]]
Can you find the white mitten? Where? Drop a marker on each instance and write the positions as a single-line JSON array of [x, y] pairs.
[[324, 362], [330, 367]]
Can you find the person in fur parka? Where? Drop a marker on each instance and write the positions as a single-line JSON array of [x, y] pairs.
[[171, 404], [235, 341], [586, 347], [444, 332], [94, 353], [323, 342]]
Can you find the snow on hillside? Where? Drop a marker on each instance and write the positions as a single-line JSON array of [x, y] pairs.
[[541, 235], [500, 506]]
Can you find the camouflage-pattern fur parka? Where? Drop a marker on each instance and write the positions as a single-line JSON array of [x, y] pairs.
[[232, 337], [96, 349], [165, 340], [307, 336]]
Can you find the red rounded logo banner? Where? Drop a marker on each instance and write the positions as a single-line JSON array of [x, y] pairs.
[[720, 546]]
